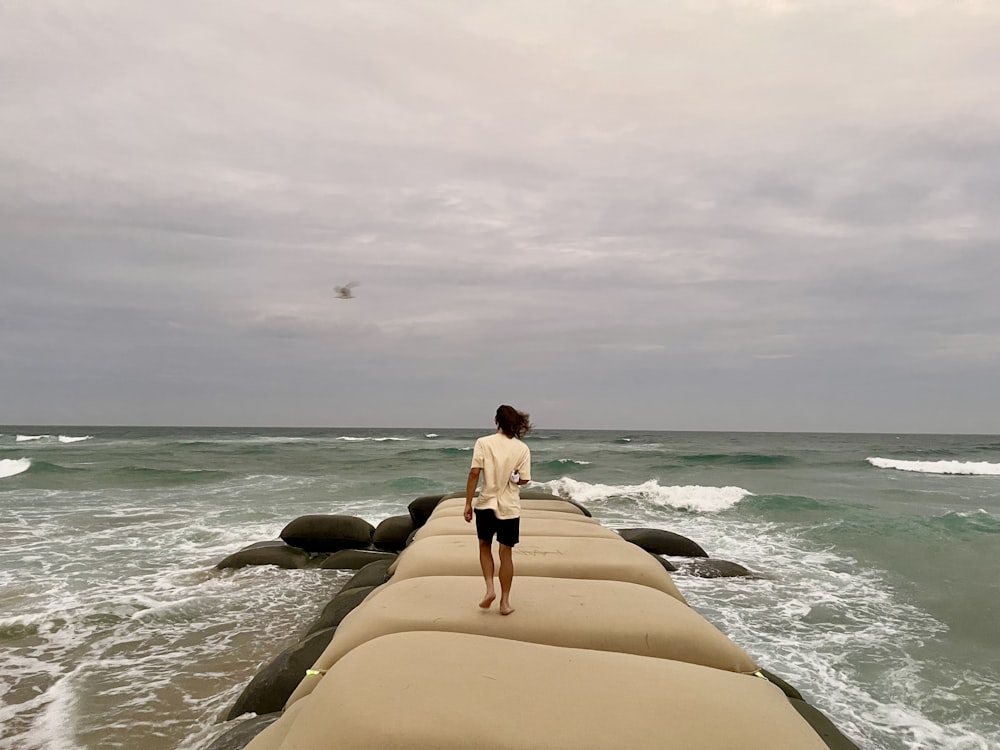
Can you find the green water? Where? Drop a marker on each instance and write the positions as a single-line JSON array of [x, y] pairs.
[[878, 597]]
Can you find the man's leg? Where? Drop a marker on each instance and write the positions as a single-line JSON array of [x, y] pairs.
[[506, 577], [486, 563]]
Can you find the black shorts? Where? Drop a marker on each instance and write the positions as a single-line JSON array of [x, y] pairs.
[[507, 530]]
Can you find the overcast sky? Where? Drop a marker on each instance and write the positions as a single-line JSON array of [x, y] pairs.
[[700, 214]]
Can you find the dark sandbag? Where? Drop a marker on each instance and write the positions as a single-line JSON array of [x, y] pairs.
[[709, 567], [323, 533], [239, 736], [267, 553], [787, 689], [355, 559], [661, 542], [267, 543], [270, 688], [667, 565], [421, 509], [833, 737], [542, 495], [391, 534], [373, 574], [337, 609]]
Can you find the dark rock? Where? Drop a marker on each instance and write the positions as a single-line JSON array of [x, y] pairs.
[[338, 608], [270, 688], [328, 533], [373, 574], [833, 737], [239, 736], [355, 559], [391, 534], [661, 542], [709, 567], [421, 509], [267, 553]]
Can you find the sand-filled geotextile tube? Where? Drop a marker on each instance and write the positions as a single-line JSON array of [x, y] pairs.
[[553, 504], [549, 556], [457, 526], [602, 651], [601, 615], [540, 514], [424, 690]]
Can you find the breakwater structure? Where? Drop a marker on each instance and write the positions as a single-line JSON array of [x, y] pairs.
[[602, 651]]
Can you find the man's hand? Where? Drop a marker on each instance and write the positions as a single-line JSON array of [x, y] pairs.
[[470, 491]]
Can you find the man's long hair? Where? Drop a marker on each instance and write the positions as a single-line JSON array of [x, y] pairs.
[[513, 423]]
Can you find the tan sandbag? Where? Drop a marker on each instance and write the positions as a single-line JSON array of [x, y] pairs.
[[446, 691], [448, 525], [548, 556], [457, 511], [599, 615], [273, 736], [526, 494], [555, 504]]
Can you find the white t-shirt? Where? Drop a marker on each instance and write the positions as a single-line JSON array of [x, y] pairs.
[[498, 456]]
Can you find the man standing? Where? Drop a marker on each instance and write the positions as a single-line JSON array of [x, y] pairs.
[[505, 464]]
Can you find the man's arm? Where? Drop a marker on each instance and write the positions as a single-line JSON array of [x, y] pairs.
[[470, 490], [524, 470]]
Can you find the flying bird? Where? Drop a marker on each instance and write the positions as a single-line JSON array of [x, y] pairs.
[[344, 292]]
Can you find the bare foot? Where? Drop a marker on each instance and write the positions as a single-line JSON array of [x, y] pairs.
[[505, 609], [487, 601]]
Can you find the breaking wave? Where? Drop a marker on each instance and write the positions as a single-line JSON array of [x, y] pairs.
[[560, 464], [981, 468], [689, 497], [349, 439], [71, 439], [10, 467]]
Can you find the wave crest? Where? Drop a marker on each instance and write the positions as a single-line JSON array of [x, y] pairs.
[[687, 497], [980, 468], [10, 467], [349, 439], [560, 464], [72, 439]]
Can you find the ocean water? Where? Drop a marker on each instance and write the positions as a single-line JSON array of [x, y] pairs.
[[879, 554]]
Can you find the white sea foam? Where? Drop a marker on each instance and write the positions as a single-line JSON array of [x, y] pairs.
[[71, 439], [689, 497], [54, 729], [255, 440], [574, 461], [815, 616], [12, 466], [349, 439], [431, 435], [277, 439], [29, 438], [982, 468]]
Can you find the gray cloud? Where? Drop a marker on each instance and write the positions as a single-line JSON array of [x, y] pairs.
[[771, 215]]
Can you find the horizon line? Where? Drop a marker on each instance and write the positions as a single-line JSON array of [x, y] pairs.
[[481, 428]]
